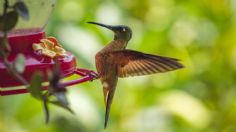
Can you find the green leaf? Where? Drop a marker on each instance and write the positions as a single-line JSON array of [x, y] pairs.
[[61, 97], [8, 21], [61, 101], [66, 107], [22, 9], [46, 109], [35, 87], [19, 63]]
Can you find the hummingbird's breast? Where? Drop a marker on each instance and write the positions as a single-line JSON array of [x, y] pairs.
[[104, 65]]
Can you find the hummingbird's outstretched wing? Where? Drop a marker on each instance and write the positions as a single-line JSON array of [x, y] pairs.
[[134, 63]]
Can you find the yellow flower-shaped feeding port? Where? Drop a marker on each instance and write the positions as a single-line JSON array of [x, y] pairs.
[[49, 47]]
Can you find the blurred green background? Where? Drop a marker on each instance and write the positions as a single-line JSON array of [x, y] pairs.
[[199, 98]]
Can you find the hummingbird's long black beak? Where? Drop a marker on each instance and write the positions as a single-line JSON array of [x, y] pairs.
[[113, 28]]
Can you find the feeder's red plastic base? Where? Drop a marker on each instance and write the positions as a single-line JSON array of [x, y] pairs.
[[32, 65], [86, 74], [21, 42]]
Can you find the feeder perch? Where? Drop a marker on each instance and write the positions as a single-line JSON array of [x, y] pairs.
[[41, 52]]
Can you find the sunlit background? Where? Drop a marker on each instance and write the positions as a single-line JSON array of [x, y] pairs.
[[199, 98]]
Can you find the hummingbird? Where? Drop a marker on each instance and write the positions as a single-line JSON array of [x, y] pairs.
[[114, 61]]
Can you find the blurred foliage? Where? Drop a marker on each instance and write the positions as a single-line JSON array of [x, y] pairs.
[[200, 97]]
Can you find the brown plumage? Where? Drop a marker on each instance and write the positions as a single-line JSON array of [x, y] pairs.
[[115, 61]]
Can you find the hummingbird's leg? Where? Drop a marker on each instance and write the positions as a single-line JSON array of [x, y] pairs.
[[93, 74], [85, 72]]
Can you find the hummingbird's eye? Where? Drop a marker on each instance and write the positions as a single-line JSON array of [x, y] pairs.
[[123, 29]]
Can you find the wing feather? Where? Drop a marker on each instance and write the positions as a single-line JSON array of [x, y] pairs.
[[134, 63]]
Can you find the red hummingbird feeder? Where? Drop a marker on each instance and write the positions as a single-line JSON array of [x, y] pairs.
[[41, 53]]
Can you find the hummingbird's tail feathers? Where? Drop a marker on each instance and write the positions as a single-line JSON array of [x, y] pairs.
[[105, 94], [109, 87], [108, 106], [108, 101], [134, 63]]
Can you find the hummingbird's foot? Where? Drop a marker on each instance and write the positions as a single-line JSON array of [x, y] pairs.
[[85, 72], [93, 75]]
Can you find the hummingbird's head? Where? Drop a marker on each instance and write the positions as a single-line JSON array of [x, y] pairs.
[[121, 31]]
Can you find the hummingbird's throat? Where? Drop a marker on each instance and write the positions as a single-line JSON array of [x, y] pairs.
[[122, 36]]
